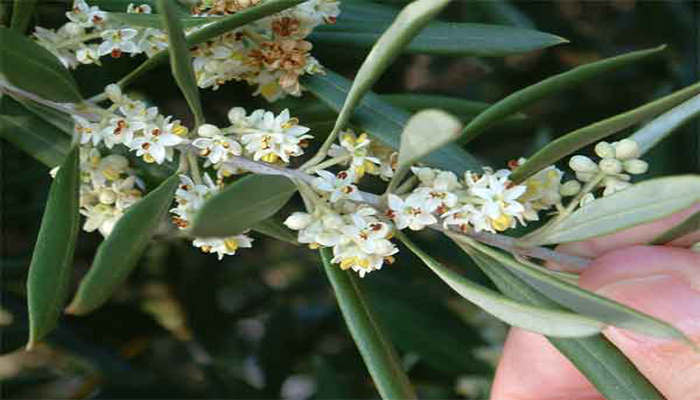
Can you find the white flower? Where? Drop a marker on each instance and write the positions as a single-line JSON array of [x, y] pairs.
[[215, 146], [543, 189], [437, 196], [122, 131], [142, 9], [269, 137], [356, 148], [86, 16], [88, 55], [118, 41], [298, 221], [152, 41], [223, 246], [498, 200], [339, 187], [154, 144], [89, 132], [409, 213], [100, 217]]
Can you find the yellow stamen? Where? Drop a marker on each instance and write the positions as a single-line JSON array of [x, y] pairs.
[[502, 223], [231, 244]]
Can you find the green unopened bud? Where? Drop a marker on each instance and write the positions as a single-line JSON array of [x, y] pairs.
[[208, 130], [626, 149], [636, 166], [570, 188], [605, 150], [585, 176], [610, 166]]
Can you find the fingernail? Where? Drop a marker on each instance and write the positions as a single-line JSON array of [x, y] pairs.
[[668, 297]]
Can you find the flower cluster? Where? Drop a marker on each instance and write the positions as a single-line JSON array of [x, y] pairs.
[[189, 198], [132, 124], [259, 135], [270, 54], [107, 188], [618, 161]]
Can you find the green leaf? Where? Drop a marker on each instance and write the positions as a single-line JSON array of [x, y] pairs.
[[30, 67], [181, 59], [384, 122], [209, 32], [438, 126], [242, 204], [22, 13], [688, 225], [599, 360], [461, 108], [660, 128], [155, 21], [558, 83], [52, 261], [575, 298], [582, 137], [547, 321], [408, 23], [32, 134], [277, 230], [379, 355], [641, 203], [441, 38], [117, 255]]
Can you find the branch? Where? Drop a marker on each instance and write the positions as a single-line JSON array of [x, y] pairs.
[[503, 242]]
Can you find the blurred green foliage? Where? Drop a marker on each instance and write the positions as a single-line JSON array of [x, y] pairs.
[[264, 324]]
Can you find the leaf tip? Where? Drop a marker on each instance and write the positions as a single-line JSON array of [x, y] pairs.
[[73, 309]]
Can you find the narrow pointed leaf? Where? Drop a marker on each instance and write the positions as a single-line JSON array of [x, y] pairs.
[[384, 122], [660, 128], [209, 32], [441, 38], [643, 202], [22, 14], [688, 225], [558, 83], [378, 353], [408, 23], [30, 67], [547, 321], [32, 134], [582, 137], [242, 204], [577, 299], [52, 261], [181, 59], [599, 360], [461, 108], [118, 254], [155, 21]]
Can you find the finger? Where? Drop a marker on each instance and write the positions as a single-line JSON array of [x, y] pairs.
[[663, 282], [641, 234], [531, 368]]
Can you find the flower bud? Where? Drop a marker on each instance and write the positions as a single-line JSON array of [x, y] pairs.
[[582, 164], [115, 161], [208, 130], [626, 149], [570, 188], [636, 166], [610, 166], [114, 93], [298, 220], [236, 115], [605, 150]]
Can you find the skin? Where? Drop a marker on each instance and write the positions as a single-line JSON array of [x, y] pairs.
[[663, 281]]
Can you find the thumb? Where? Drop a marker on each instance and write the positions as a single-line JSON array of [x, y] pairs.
[[663, 282]]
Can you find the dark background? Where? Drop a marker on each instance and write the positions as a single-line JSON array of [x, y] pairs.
[[264, 323]]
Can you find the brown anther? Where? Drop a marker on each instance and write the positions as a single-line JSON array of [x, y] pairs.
[[145, 146], [390, 214], [116, 53], [375, 227], [513, 164], [155, 132], [342, 175]]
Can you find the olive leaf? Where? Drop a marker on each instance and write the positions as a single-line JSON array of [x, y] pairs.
[[30, 67], [378, 353], [688, 225], [52, 261], [558, 83], [118, 254], [547, 321], [181, 59], [641, 203], [241, 205], [22, 13], [660, 128], [582, 137]]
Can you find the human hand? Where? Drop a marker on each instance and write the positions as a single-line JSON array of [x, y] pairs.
[[662, 281]]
